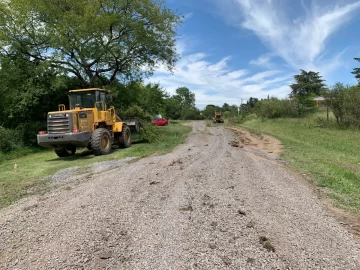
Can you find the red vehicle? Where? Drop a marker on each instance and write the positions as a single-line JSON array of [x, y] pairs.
[[160, 122]]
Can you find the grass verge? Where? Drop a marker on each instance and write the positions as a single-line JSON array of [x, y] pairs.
[[32, 167], [329, 156]]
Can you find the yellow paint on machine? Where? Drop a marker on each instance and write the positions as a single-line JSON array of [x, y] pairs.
[[117, 127]]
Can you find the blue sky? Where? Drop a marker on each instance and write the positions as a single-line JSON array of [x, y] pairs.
[[236, 49]]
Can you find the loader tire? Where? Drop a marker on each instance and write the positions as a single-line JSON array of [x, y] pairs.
[[89, 146], [101, 142], [125, 137], [66, 151]]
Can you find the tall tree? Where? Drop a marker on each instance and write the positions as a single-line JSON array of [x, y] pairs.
[[344, 103], [172, 109], [233, 109], [307, 86], [185, 97], [252, 102], [153, 99], [95, 40], [209, 111], [28, 90], [356, 71], [307, 83], [127, 94], [225, 107]]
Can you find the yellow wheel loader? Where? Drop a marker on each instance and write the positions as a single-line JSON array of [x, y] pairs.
[[89, 122], [218, 117]]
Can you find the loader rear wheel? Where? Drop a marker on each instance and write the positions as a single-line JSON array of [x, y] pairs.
[[101, 142], [65, 151], [125, 137]]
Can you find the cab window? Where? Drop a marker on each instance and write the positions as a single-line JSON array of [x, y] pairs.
[[82, 100]]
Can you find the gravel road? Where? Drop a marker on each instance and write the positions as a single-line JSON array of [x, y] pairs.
[[206, 205]]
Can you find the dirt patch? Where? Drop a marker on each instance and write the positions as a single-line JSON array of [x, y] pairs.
[[272, 146], [349, 220], [234, 143], [263, 143], [266, 243]]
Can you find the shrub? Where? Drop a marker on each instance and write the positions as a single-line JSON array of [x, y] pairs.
[[136, 112], [10, 140], [29, 130], [276, 108], [149, 133], [305, 104], [344, 102], [191, 114], [227, 114]]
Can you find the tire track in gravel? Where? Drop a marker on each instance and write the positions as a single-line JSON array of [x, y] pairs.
[[206, 205]]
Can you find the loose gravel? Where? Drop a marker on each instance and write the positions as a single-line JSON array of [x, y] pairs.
[[63, 175], [108, 165], [207, 205]]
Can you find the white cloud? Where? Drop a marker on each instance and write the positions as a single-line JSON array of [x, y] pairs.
[[188, 16], [263, 61], [216, 83], [299, 41]]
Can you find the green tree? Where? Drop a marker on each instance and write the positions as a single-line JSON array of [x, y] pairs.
[[225, 107], [233, 109], [153, 99], [185, 97], [344, 103], [172, 108], [209, 111], [275, 108], [96, 41], [307, 85], [252, 101], [245, 108], [356, 71], [127, 94], [335, 99], [191, 114], [29, 90], [227, 114]]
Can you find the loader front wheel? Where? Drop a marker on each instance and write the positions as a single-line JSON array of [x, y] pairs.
[[101, 142], [125, 137], [66, 151]]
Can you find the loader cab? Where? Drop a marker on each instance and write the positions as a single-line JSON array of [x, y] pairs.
[[88, 98]]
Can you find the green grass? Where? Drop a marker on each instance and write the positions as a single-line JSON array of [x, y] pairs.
[[33, 167], [328, 156]]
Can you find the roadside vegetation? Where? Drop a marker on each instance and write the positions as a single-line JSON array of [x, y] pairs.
[[71, 45], [330, 157], [27, 178], [320, 137]]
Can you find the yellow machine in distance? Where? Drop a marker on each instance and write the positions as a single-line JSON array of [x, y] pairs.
[[89, 122], [218, 118]]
